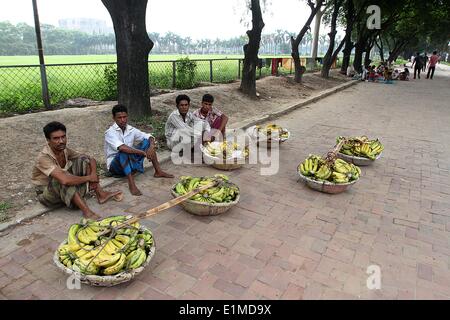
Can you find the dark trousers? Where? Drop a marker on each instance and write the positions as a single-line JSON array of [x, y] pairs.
[[432, 72], [418, 69]]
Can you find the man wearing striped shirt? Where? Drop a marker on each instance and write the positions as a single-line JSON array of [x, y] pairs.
[[182, 124]]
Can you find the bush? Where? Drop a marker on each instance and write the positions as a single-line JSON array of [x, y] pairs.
[[110, 77], [186, 71]]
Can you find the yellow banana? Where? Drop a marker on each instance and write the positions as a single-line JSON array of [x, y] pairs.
[[115, 268], [72, 235]]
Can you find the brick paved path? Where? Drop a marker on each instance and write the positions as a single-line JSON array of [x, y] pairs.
[[283, 240]]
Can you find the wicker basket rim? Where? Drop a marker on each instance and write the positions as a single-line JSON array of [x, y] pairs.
[[207, 204], [360, 158], [220, 160], [254, 136]]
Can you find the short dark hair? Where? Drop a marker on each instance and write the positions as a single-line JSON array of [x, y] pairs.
[[434, 52], [52, 127], [182, 97], [208, 98], [119, 108]]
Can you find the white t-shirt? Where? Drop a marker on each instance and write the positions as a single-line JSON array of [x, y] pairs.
[[115, 137]]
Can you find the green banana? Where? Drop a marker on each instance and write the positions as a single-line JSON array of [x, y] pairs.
[[72, 235], [118, 266]]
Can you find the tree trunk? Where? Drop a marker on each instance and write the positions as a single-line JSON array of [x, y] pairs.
[[347, 54], [299, 69], [133, 47], [316, 34], [380, 48], [327, 60], [367, 54], [248, 83], [359, 50], [350, 17]]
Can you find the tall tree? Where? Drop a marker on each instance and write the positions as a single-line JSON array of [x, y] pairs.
[[316, 34], [248, 83], [295, 42], [328, 59], [133, 47]]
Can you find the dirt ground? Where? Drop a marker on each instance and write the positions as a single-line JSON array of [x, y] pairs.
[[22, 137]]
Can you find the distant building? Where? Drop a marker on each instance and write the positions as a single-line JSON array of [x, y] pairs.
[[87, 25]]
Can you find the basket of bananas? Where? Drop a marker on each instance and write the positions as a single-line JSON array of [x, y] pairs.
[[224, 155], [269, 133], [212, 201], [100, 258], [360, 150], [328, 175]]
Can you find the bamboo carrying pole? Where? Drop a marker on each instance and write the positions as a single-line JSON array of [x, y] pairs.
[[164, 206]]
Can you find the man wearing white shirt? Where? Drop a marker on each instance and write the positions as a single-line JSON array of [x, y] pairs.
[[182, 123], [126, 148]]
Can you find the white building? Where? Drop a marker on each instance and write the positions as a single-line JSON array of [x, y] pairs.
[[87, 25]]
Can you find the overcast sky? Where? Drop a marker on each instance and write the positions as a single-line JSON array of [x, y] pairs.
[[195, 18]]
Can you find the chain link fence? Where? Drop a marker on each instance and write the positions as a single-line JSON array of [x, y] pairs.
[[21, 91]]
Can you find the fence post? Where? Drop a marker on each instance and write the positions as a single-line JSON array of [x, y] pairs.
[[174, 76], [210, 70], [239, 68], [290, 70], [37, 26]]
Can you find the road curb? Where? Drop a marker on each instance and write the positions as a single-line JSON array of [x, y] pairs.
[[40, 210]]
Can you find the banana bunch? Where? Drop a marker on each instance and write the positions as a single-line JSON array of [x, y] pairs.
[[268, 129], [362, 147], [224, 149], [89, 252], [338, 171], [224, 192]]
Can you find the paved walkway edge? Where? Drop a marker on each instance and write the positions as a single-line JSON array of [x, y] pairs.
[[38, 210]]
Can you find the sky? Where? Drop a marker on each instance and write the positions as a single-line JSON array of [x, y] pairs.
[[194, 18]]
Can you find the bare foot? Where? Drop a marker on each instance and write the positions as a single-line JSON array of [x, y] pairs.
[[135, 191], [91, 215], [162, 174], [104, 196]]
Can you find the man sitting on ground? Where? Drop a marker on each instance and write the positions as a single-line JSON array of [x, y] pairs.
[[215, 118], [181, 123], [64, 176], [126, 148]]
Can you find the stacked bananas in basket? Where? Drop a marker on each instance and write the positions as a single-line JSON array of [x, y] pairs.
[[224, 149], [361, 146], [224, 192], [268, 129], [336, 171], [90, 253]]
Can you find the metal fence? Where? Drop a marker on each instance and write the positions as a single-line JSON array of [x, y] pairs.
[[20, 86]]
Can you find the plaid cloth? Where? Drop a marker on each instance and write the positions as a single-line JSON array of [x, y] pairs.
[[124, 164], [55, 193]]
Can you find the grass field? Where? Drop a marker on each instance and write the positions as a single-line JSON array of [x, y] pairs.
[[34, 60], [20, 88]]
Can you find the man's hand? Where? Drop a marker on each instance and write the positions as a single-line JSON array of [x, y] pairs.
[[93, 178]]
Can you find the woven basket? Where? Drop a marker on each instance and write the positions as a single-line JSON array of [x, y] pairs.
[[326, 186], [203, 208], [105, 281], [218, 163], [359, 161], [262, 139]]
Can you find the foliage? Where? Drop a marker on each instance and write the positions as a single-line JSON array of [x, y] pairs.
[[186, 70], [20, 39], [110, 75], [4, 206]]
